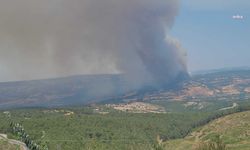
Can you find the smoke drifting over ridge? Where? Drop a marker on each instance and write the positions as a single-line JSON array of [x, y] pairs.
[[51, 38]]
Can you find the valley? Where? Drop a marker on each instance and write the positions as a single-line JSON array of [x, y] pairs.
[[124, 75], [88, 90], [142, 120]]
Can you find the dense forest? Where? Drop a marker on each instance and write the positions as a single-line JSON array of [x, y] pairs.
[[83, 128]]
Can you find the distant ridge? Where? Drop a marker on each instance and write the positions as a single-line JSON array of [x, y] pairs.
[[73, 90], [220, 70], [89, 89]]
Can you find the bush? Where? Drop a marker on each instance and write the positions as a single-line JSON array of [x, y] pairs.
[[215, 144]]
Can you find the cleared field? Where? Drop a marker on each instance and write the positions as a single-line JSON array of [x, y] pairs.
[[138, 107], [233, 131]]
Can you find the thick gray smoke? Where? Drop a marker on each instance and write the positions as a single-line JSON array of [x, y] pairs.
[[51, 38]]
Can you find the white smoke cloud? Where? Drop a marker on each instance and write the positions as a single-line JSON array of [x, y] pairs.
[[51, 38]]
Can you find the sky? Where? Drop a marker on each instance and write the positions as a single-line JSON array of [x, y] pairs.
[[210, 35]]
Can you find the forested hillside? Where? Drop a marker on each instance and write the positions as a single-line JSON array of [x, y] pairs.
[[101, 127], [231, 132]]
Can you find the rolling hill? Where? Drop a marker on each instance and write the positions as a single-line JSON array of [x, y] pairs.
[[89, 89], [72, 90]]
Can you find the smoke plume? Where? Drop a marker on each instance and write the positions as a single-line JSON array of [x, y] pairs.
[[52, 38]]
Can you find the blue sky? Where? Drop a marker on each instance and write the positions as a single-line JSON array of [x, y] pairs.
[[212, 38]]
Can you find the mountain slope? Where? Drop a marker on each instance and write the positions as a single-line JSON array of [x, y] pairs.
[[232, 130], [61, 91]]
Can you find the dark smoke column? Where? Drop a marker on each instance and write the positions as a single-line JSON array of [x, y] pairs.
[[162, 57], [52, 38]]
